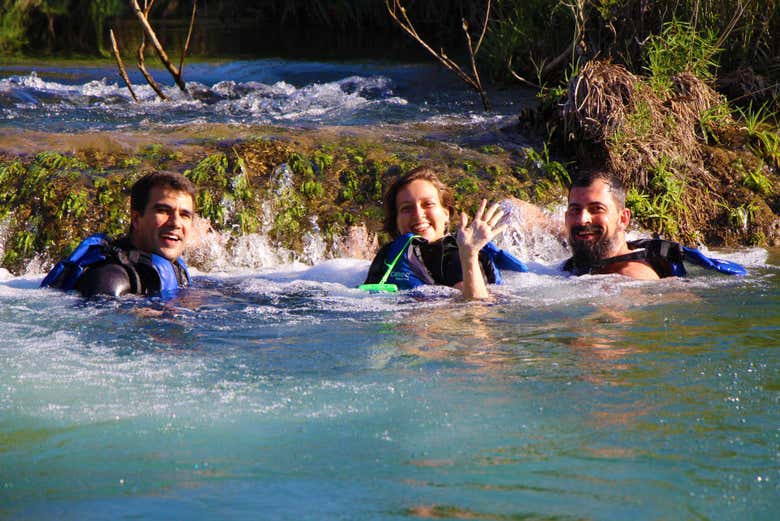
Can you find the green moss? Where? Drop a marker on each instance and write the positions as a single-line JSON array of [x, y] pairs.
[[74, 206], [159, 153], [210, 208], [247, 221], [287, 220], [470, 167], [312, 189], [467, 185], [239, 185], [491, 149], [211, 171], [350, 187], [301, 166], [322, 160]]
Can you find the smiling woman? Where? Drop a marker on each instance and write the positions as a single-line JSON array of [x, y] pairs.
[[417, 208]]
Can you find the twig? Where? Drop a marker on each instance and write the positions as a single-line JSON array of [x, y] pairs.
[[406, 24], [484, 28], [189, 35], [472, 56], [518, 77], [156, 45], [120, 64], [578, 13], [142, 67], [738, 12]]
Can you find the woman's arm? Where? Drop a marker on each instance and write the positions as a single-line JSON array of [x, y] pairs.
[[471, 239]]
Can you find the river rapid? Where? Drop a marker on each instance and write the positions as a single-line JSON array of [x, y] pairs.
[[277, 390]]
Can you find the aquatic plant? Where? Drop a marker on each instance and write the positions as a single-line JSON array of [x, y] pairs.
[[680, 47], [759, 126], [555, 177], [640, 131], [711, 123], [758, 182], [754, 119]]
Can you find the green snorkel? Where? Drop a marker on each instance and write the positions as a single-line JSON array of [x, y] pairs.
[[381, 285]]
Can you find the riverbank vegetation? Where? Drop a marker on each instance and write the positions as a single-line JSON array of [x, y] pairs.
[[286, 185]]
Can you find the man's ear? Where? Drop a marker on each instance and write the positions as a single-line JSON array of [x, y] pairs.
[[135, 217], [624, 218]]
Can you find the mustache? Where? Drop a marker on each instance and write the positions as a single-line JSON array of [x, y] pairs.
[[589, 228]]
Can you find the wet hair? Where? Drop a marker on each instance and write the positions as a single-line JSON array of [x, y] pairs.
[[139, 193], [616, 187], [424, 173]]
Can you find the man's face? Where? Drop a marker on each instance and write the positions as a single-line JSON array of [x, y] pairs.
[[596, 225], [165, 223]]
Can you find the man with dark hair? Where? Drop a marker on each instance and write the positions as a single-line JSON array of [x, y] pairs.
[[148, 260], [597, 219]]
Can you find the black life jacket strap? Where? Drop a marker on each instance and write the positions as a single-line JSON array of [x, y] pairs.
[[659, 253], [128, 260], [638, 255]]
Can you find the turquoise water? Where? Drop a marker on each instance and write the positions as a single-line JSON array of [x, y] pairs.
[[258, 396]]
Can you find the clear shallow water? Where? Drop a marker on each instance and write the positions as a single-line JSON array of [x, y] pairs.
[[286, 394], [256, 92]]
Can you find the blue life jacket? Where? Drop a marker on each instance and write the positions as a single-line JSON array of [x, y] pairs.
[[97, 249], [502, 260], [667, 258], [411, 269]]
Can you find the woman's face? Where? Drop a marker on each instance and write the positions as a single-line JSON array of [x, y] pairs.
[[419, 211]]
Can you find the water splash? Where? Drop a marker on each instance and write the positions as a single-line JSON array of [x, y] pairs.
[[533, 234], [314, 247]]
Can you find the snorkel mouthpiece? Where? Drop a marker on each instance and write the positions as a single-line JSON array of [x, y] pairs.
[[382, 285], [378, 288]]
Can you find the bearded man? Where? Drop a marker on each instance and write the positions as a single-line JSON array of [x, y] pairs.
[[597, 219]]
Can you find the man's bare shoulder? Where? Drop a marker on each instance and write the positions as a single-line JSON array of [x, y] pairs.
[[636, 270]]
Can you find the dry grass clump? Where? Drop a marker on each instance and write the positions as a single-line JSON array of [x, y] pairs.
[[651, 139], [638, 127], [598, 100]]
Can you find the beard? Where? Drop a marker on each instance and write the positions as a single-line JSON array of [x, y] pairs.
[[588, 253]]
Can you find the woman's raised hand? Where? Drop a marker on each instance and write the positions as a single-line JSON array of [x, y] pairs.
[[474, 236]]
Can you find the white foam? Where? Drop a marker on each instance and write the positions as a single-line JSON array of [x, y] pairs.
[[749, 257], [240, 101]]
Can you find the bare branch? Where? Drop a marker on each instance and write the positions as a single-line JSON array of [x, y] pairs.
[[738, 12], [189, 35], [556, 62], [518, 77], [120, 64], [484, 28], [477, 83], [156, 45], [577, 8], [398, 13], [142, 67]]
